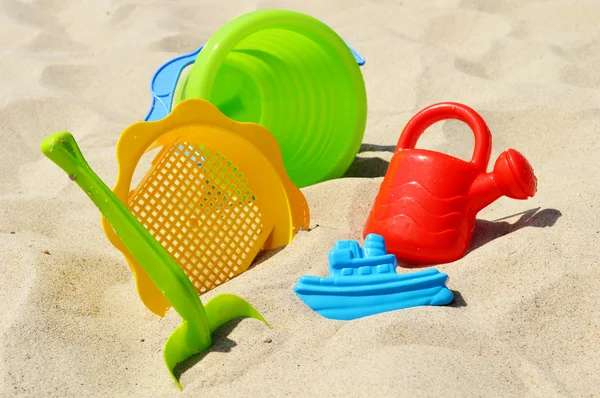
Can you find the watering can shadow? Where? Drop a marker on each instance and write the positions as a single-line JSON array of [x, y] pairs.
[[369, 167], [487, 231], [428, 201]]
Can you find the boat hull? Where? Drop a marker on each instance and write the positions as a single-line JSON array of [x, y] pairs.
[[344, 298]]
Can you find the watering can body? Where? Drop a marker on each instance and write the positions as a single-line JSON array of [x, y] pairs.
[[428, 201]]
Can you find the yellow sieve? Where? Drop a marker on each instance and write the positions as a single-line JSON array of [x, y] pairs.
[[216, 194]]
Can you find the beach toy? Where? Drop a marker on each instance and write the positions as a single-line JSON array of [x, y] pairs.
[[215, 195], [364, 282], [194, 333], [164, 82], [428, 201], [286, 71]]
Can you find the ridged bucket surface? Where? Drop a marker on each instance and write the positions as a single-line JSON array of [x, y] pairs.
[[294, 75]]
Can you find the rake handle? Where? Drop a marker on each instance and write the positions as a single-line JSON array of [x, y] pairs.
[[63, 150]]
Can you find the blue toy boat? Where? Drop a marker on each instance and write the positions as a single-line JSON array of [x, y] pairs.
[[364, 282]]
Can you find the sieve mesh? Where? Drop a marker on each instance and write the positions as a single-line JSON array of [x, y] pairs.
[[198, 206]]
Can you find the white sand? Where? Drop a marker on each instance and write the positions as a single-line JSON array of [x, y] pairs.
[[527, 320]]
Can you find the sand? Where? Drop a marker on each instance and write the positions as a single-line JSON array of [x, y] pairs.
[[525, 321]]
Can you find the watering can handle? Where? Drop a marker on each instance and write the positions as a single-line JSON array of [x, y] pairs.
[[164, 82], [450, 110]]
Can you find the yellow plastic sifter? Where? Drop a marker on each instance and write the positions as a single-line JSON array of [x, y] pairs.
[[216, 194]]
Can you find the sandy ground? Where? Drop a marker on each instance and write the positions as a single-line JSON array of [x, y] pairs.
[[526, 317]]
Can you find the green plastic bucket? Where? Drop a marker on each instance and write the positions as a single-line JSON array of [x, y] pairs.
[[294, 75]]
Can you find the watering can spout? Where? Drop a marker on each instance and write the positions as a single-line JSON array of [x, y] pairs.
[[512, 176], [483, 192]]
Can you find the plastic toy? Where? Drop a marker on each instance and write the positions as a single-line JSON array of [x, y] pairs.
[[194, 334], [288, 72], [428, 201], [216, 194], [364, 282], [164, 82]]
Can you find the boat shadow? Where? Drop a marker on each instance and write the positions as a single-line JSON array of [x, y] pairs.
[[458, 301]]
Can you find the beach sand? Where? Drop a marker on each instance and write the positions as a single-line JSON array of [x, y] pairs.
[[526, 315]]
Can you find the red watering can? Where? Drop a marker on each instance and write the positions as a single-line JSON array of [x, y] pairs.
[[428, 201]]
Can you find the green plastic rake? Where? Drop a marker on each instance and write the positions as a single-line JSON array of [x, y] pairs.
[[199, 322]]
